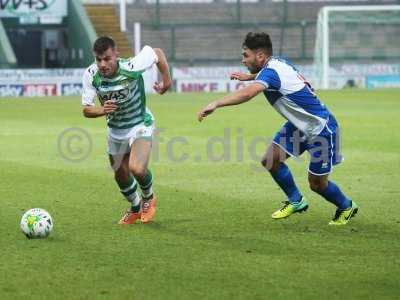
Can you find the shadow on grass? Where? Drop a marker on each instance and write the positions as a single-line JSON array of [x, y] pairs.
[[233, 228]]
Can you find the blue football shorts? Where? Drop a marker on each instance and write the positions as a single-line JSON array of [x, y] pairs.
[[324, 149]]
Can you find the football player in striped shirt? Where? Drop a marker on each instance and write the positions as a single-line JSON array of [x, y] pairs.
[[119, 87], [310, 127]]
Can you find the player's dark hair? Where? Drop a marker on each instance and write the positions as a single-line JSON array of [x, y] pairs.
[[102, 44], [258, 41]]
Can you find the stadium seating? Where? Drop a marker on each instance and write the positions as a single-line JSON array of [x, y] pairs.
[[105, 21], [214, 31]]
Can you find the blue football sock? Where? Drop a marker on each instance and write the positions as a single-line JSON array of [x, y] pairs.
[[333, 194], [283, 177]]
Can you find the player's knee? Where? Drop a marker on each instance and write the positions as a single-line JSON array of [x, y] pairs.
[[271, 163], [314, 187], [121, 175], [317, 186], [137, 170], [264, 162]]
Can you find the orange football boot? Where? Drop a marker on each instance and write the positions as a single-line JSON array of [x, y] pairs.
[[129, 217], [148, 209]]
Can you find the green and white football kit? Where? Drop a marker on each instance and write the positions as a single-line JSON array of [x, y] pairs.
[[132, 120]]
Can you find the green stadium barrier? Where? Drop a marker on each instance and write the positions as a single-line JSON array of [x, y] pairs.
[[7, 55], [81, 35]]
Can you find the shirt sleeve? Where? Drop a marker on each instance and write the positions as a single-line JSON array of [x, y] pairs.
[[88, 90], [269, 78], [145, 59]]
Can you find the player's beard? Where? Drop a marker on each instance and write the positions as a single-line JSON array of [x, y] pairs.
[[254, 68]]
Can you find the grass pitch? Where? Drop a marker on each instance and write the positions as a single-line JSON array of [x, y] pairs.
[[213, 237]]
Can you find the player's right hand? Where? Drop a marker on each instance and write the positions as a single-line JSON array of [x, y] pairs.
[[209, 109], [110, 106], [241, 76]]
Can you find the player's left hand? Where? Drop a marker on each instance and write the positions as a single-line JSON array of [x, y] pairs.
[[208, 110], [161, 87]]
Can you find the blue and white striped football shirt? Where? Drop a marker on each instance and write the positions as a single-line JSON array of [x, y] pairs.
[[292, 96]]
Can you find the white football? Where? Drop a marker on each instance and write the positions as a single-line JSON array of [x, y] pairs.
[[36, 223]]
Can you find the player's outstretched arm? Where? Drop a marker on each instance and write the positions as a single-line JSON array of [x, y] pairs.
[[238, 97], [242, 76], [162, 87], [95, 112]]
